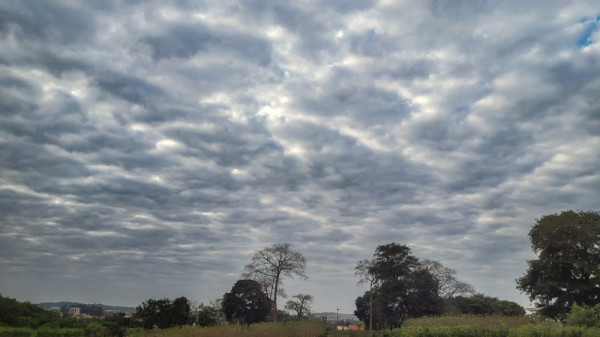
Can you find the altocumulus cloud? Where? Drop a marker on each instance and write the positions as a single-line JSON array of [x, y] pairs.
[[147, 149]]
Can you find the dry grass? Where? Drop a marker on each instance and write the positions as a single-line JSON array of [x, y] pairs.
[[475, 321], [290, 329]]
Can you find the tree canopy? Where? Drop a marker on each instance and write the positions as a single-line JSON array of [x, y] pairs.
[[567, 269], [402, 288], [164, 313], [270, 265], [300, 305], [246, 303]]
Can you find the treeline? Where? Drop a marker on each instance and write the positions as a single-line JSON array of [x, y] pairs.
[[401, 286]]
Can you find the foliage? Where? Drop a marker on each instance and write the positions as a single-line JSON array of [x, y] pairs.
[[401, 287], [164, 313], [270, 265], [246, 303], [300, 305], [24, 314], [480, 304], [471, 320], [568, 264], [181, 312], [584, 316], [304, 328], [207, 315]]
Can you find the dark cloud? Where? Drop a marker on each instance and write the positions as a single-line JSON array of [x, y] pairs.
[[147, 149]]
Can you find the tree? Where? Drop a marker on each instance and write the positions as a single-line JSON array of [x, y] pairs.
[[480, 304], [209, 315], [449, 286], [270, 265], [364, 309], [181, 312], [401, 287], [155, 312], [364, 270], [567, 269], [300, 304], [246, 303]]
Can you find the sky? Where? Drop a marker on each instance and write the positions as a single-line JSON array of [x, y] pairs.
[[148, 148]]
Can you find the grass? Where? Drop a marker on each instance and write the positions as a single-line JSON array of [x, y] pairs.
[[289, 329]]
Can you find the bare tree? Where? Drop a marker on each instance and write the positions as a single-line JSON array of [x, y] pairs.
[[449, 286], [271, 264], [364, 270], [301, 305]]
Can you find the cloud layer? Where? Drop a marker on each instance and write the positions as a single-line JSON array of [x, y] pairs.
[[147, 149]]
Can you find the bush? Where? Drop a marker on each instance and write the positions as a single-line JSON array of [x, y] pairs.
[[584, 316]]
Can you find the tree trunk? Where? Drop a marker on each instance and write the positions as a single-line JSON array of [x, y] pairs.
[[275, 299], [371, 310]]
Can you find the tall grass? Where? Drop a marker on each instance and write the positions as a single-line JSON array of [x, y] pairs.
[[289, 329], [470, 320], [93, 330]]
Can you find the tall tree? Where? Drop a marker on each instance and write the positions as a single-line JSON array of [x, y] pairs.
[[449, 286], [272, 264], [246, 303], [401, 287], [364, 270], [300, 304], [181, 312], [567, 269]]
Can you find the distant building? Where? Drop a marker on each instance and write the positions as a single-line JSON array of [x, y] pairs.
[[74, 311]]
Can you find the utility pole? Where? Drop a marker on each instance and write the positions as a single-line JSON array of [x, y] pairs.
[[337, 316]]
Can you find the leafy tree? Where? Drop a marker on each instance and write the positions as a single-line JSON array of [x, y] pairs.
[[155, 312], [364, 307], [207, 315], [246, 303], [508, 308], [181, 312], [270, 265], [401, 287], [449, 286], [300, 304], [480, 304], [568, 265], [163, 313]]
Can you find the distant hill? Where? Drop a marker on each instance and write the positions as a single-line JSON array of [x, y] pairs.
[[48, 305]]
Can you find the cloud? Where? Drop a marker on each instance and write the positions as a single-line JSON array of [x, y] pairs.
[[148, 149]]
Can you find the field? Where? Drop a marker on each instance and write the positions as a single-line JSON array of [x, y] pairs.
[[460, 326]]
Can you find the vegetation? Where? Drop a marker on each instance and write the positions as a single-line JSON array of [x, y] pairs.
[[584, 316], [568, 265], [164, 313], [407, 297], [305, 328], [401, 288], [270, 265], [246, 303], [300, 305], [18, 314]]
